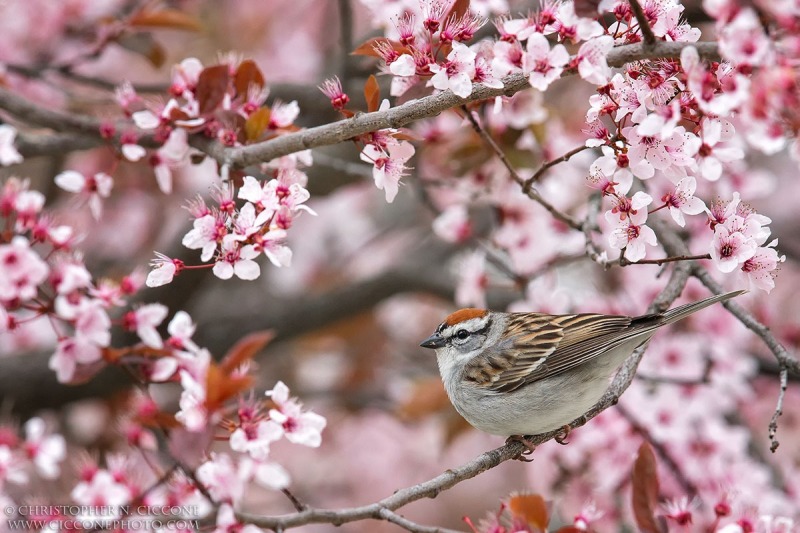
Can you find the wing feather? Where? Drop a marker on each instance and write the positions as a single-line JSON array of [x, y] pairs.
[[541, 346]]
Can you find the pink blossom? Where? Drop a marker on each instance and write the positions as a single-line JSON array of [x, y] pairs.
[[299, 427], [389, 165], [541, 64], [223, 478], [164, 269], [11, 468], [404, 65], [710, 156], [682, 200], [101, 489], [631, 234], [185, 76], [743, 41], [760, 269], [21, 270], [672, 27], [69, 276], [205, 233], [282, 115], [332, 88], [254, 438], [69, 352], [570, 26], [592, 65], [181, 328], [46, 451], [173, 153], [236, 259], [507, 58], [145, 319], [472, 281], [92, 323], [94, 188], [453, 224], [28, 205], [611, 172], [666, 155], [457, 72], [227, 523], [730, 249], [271, 475], [272, 244], [8, 152]]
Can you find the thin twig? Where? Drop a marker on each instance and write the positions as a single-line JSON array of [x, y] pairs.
[[532, 193], [673, 259], [298, 505], [644, 24], [408, 525], [773, 422], [542, 169]]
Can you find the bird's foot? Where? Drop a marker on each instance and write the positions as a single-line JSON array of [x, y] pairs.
[[529, 447], [561, 438]]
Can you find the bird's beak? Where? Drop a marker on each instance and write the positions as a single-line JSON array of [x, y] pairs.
[[434, 341]]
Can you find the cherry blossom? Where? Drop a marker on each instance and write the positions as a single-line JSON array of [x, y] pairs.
[[101, 489], [592, 65], [743, 42], [144, 320], [11, 468], [299, 427], [21, 270], [457, 73], [255, 437], [95, 188], [709, 155], [164, 269], [453, 224], [173, 153], [271, 475], [541, 64], [729, 249], [223, 478], [631, 234], [8, 152], [46, 451], [682, 200], [204, 235], [236, 259], [227, 523], [760, 268], [332, 88], [389, 165]]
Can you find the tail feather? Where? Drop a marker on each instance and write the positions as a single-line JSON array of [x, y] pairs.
[[680, 312]]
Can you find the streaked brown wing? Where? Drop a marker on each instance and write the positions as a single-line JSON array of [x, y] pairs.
[[545, 345], [532, 338]]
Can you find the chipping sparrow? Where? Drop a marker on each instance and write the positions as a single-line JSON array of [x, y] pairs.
[[516, 374]]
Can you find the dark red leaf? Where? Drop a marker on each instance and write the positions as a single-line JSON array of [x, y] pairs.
[[256, 124], [531, 508], [145, 45], [367, 48], [247, 74], [372, 93], [212, 84], [245, 350], [459, 9], [644, 481]]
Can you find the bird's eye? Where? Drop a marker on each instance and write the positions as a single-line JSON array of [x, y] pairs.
[[462, 334]]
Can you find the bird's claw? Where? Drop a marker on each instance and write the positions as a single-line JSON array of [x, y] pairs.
[[561, 438], [529, 447]]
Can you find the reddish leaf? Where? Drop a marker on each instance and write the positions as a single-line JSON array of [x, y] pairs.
[[372, 93], [367, 48], [166, 18], [221, 387], [531, 508], [212, 84], [245, 350], [459, 9], [644, 479], [247, 74], [570, 529], [144, 45], [256, 124]]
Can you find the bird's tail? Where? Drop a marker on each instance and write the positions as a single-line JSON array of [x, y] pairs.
[[678, 313]]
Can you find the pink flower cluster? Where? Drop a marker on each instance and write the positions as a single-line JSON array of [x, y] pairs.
[[234, 237]]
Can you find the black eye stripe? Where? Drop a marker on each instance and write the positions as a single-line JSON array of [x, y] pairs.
[[454, 332]]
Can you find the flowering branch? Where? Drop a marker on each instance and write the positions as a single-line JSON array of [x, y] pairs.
[[532, 193], [625, 262]]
